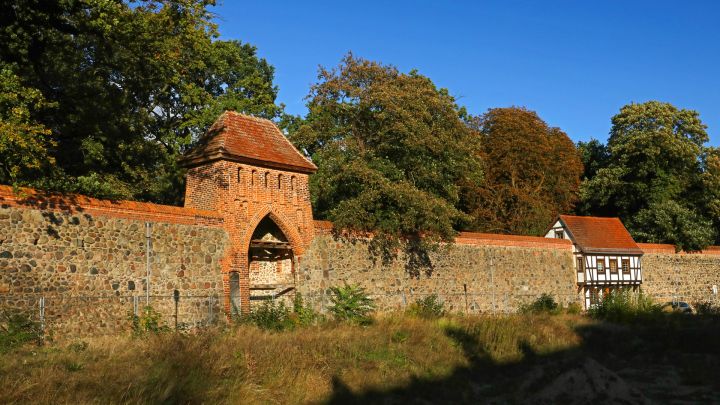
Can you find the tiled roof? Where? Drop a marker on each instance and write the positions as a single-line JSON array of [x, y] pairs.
[[248, 139], [600, 235]]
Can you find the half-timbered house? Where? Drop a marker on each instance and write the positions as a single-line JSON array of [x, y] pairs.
[[606, 256]]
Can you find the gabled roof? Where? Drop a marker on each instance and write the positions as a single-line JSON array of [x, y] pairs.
[[247, 139], [599, 235]]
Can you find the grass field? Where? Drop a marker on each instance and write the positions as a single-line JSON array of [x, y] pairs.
[[396, 359]]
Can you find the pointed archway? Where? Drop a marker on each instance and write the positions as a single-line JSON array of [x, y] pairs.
[[270, 264]]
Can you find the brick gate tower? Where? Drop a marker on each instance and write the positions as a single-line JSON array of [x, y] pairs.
[[247, 170]]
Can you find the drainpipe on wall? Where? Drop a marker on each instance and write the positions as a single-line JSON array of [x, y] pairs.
[[148, 230]]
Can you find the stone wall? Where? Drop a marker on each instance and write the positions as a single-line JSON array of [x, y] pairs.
[[87, 259], [687, 277], [480, 273]]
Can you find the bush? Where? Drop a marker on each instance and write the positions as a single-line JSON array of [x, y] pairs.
[[303, 315], [543, 304], [429, 307], [573, 308], [351, 303], [623, 305], [17, 329], [707, 308], [149, 321], [270, 315]]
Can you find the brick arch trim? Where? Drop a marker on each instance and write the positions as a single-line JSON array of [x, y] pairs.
[[290, 232]]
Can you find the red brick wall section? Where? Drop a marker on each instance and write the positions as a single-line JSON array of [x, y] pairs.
[[663, 248], [482, 239], [34, 199], [243, 195]]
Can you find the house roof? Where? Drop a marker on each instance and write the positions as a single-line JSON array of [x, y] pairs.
[[600, 235], [248, 139]]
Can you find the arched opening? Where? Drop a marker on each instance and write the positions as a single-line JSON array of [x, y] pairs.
[[270, 262]]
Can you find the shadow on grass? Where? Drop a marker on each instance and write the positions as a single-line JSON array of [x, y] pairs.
[[664, 359]]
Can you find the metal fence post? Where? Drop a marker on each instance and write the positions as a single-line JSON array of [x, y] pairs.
[[41, 304]]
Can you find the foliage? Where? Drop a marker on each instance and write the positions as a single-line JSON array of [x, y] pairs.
[[134, 83], [391, 150], [654, 175], [24, 143], [351, 303], [303, 315], [429, 307], [532, 173], [270, 315], [707, 308], [573, 308], [545, 303], [624, 305], [671, 222], [594, 155], [148, 322], [18, 329], [275, 315]]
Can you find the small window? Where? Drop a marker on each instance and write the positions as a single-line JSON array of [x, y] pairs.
[[292, 183], [559, 235], [600, 264], [580, 265], [239, 176], [626, 266], [613, 266], [252, 177], [267, 179], [279, 181]]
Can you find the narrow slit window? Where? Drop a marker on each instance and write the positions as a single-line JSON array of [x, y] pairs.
[[279, 181], [239, 175], [267, 179]]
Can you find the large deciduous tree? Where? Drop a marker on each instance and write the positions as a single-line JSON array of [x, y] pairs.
[[532, 173], [133, 84], [391, 150], [657, 176]]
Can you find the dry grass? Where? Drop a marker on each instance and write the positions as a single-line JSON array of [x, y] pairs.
[[248, 365], [397, 359]]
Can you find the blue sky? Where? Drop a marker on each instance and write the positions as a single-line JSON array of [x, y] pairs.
[[574, 62]]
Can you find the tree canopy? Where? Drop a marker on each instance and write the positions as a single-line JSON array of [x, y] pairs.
[[132, 85], [392, 150], [657, 176], [532, 173]]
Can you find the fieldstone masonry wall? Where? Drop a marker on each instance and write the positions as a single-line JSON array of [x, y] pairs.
[[88, 263], [685, 277], [472, 275]]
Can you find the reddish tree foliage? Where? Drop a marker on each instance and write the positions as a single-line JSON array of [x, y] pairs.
[[532, 173]]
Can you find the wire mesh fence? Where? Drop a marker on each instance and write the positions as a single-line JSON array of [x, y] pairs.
[[113, 314], [99, 315]]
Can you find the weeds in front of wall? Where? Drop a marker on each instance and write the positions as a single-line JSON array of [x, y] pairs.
[[17, 329], [429, 307], [350, 303], [148, 322], [275, 315], [624, 305]]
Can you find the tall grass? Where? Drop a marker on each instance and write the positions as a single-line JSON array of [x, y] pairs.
[[246, 364], [625, 305]]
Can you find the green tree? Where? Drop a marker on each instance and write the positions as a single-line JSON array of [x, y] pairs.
[[671, 222], [24, 143], [135, 84], [654, 168], [391, 150], [532, 173], [594, 155]]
